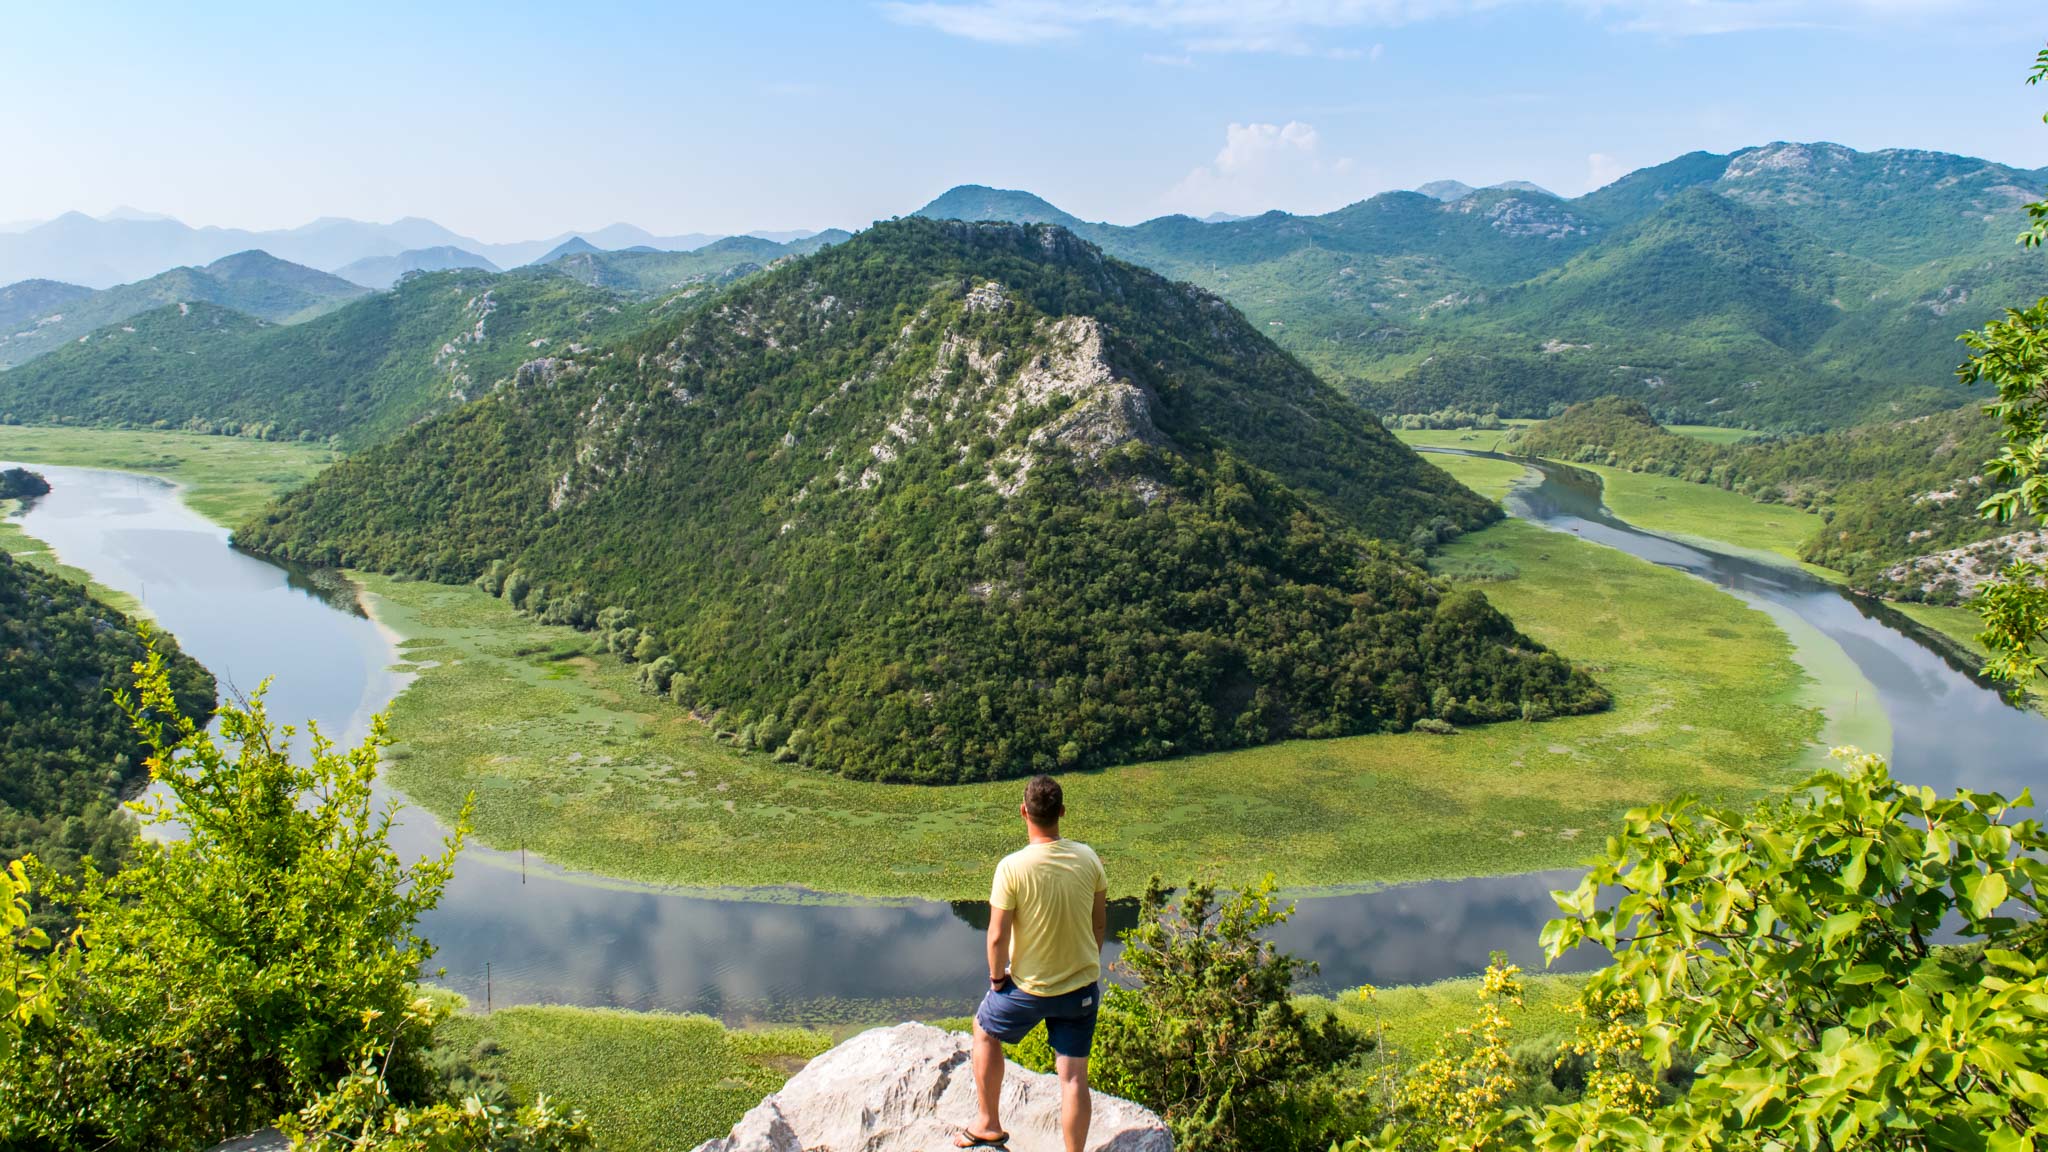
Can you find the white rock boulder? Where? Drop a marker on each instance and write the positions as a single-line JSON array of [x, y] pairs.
[[910, 1088]]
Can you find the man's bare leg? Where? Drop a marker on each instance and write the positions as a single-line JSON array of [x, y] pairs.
[[1077, 1107], [988, 1084]]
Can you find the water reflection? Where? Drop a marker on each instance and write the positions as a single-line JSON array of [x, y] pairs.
[[1948, 730], [536, 934]]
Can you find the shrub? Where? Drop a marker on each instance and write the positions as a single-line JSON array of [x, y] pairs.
[[235, 973], [1210, 1037]]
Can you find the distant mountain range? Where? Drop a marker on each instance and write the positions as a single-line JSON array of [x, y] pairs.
[[37, 316], [193, 348], [1790, 286], [381, 272], [126, 245]]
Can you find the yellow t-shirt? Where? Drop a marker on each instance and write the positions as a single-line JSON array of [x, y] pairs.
[[1050, 888]]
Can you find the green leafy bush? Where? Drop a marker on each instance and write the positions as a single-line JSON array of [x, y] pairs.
[[1211, 1037], [235, 972], [1791, 949]]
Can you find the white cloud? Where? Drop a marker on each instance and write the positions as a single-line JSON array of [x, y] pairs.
[[1602, 170], [1301, 27], [1266, 166]]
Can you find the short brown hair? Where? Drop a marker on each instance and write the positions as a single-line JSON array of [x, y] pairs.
[[1043, 801]]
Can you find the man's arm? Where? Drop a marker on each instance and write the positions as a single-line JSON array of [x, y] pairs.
[[1101, 920], [1000, 921]]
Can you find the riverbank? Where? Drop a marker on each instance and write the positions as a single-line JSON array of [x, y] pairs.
[[226, 479], [566, 757], [1667, 505]]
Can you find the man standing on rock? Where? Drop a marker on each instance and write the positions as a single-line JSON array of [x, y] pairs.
[[1048, 920]]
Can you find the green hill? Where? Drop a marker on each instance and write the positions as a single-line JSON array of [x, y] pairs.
[[647, 271], [360, 373], [1791, 286], [255, 283], [979, 202], [1889, 492], [67, 754], [949, 502]]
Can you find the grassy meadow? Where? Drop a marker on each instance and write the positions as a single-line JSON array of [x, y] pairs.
[[226, 478], [564, 754], [654, 1082], [647, 1081]]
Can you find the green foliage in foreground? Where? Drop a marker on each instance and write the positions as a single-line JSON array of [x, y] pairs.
[[2012, 355], [1886, 492], [360, 1115], [1210, 1036], [236, 972], [946, 503], [68, 755], [1789, 950]]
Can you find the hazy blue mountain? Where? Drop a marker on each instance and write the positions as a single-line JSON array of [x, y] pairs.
[[573, 246], [23, 305], [254, 283], [978, 202], [381, 272], [645, 271], [1447, 190]]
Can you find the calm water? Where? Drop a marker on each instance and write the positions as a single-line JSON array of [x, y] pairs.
[[550, 937]]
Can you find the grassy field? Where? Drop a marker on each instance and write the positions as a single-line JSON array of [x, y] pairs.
[[226, 478], [1410, 1021], [1470, 439], [565, 755], [1674, 507], [648, 1082], [1486, 477], [651, 1082]]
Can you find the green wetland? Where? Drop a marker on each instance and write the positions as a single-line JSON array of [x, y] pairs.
[[603, 808]]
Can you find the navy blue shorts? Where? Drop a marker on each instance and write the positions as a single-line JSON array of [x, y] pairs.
[[1007, 1013]]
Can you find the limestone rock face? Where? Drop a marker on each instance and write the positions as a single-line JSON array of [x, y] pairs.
[[910, 1088]]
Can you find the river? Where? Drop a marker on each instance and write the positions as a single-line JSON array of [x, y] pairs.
[[512, 932]]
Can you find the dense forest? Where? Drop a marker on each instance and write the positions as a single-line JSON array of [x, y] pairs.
[[1889, 492], [67, 754], [947, 502], [357, 374]]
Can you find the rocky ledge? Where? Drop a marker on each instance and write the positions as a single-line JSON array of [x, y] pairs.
[[910, 1087]]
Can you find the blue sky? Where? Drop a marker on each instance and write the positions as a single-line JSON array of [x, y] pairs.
[[512, 120]]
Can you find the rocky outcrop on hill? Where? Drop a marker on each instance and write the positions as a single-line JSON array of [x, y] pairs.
[[911, 1087]]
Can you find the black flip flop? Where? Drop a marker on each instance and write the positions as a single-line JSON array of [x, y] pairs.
[[999, 1140]]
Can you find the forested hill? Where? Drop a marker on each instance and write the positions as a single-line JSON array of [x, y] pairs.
[[39, 316], [360, 373], [1791, 286], [1890, 492], [951, 501], [67, 754]]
